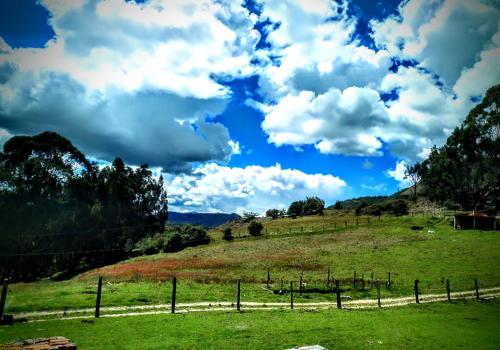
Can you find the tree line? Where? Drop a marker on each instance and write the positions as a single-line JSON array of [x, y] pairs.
[[61, 212], [465, 172]]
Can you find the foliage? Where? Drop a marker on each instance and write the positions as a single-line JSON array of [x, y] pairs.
[[466, 170], [255, 228], [310, 206], [296, 209], [150, 245], [313, 206], [275, 213], [414, 174], [227, 234], [249, 216], [186, 236], [338, 205], [399, 207], [52, 199]]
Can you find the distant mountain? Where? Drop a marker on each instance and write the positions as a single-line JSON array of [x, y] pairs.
[[209, 220]]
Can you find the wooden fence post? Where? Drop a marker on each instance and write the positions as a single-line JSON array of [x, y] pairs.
[[5, 285], [388, 283], [334, 225], [346, 224], [328, 279], [238, 296], [174, 292], [337, 287], [448, 289], [291, 294], [416, 292], [371, 279], [268, 276], [300, 284], [98, 298], [362, 281], [354, 280], [290, 230], [477, 288], [378, 293]]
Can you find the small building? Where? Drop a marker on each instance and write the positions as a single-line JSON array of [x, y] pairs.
[[477, 220]]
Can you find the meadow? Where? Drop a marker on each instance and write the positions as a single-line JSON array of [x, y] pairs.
[[423, 247]]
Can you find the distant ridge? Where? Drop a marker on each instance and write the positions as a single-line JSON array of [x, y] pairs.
[[209, 220]]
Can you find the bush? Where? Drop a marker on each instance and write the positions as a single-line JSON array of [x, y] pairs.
[[373, 209], [174, 244], [255, 228], [399, 207], [186, 236], [149, 245], [228, 234], [274, 213]]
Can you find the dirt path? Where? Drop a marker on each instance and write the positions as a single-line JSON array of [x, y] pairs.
[[141, 310]]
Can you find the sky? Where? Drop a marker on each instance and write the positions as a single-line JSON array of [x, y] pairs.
[[249, 105]]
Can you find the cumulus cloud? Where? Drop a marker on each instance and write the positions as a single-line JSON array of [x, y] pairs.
[[140, 81], [344, 122], [398, 174], [446, 37], [216, 188], [453, 45]]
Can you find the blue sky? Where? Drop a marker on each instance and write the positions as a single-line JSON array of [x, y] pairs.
[[249, 105]]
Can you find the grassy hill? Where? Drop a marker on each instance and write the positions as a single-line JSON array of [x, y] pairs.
[[420, 247]]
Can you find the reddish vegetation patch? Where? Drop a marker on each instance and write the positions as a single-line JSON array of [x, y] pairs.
[[165, 268]]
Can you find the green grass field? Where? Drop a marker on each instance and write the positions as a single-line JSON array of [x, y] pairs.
[[433, 253], [459, 325]]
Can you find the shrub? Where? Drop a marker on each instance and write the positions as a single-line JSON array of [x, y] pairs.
[[399, 207], [186, 236], [255, 228], [149, 245], [228, 234], [273, 213], [174, 244]]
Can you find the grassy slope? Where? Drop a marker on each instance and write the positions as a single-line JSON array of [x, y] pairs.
[[208, 272], [460, 325]]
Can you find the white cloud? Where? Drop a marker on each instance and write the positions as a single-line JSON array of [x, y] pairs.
[[398, 174], [140, 81], [453, 42], [345, 122], [215, 188]]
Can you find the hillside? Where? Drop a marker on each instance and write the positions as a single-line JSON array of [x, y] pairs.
[[209, 220]]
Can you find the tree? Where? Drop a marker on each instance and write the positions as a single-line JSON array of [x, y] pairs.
[[249, 216], [227, 234], [255, 228], [274, 213], [296, 209], [337, 206], [466, 170], [414, 174], [313, 206], [52, 199]]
